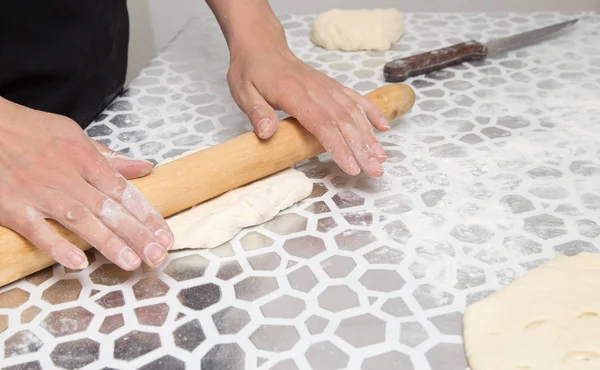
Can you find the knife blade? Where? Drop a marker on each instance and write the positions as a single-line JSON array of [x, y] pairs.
[[399, 70]]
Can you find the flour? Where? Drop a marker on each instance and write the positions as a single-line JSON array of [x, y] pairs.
[[574, 116], [111, 212], [136, 204], [22, 343], [490, 188]]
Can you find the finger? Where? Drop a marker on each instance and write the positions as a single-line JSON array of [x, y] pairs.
[[261, 114], [330, 137], [373, 114], [33, 227], [130, 168], [78, 218], [319, 123], [104, 178], [364, 126], [356, 142], [136, 235], [121, 222], [352, 133]]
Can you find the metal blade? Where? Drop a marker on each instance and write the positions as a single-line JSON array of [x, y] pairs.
[[526, 38]]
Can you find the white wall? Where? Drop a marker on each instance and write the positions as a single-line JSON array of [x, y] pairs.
[[155, 22], [168, 16], [142, 42]]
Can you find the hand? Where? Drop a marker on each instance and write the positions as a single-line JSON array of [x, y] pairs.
[[49, 169], [264, 75], [264, 78]]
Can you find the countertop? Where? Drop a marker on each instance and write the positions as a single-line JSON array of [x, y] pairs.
[[495, 170]]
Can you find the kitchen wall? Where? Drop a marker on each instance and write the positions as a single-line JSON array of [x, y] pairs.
[[142, 46], [160, 20]]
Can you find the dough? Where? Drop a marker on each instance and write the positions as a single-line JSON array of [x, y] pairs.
[[545, 320], [218, 220], [375, 29]]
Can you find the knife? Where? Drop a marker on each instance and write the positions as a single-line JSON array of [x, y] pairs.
[[399, 70]]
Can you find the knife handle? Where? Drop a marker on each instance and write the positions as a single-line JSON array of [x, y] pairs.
[[400, 69]]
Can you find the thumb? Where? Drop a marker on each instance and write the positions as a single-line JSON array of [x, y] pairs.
[[261, 114], [128, 167]]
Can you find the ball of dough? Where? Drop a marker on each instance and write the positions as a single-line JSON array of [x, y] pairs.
[[365, 29]]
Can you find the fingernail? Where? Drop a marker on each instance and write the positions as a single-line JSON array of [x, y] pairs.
[[263, 127], [146, 162], [129, 257], [77, 260], [165, 239], [122, 156], [385, 123], [144, 172], [375, 165], [379, 152], [139, 160], [354, 169], [154, 253]]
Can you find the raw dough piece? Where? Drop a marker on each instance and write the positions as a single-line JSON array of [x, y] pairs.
[[546, 320], [375, 29], [218, 220]]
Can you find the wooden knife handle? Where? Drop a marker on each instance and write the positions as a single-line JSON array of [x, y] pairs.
[[400, 69], [202, 175]]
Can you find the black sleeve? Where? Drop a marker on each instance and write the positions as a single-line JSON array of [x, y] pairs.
[[63, 56]]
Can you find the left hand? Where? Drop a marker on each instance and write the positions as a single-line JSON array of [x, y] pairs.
[[268, 77]]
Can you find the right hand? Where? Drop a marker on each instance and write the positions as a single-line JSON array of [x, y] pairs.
[[49, 169]]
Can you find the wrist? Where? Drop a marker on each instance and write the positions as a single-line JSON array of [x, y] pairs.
[[249, 27], [258, 37]]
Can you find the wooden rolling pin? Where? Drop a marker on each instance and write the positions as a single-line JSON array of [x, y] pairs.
[[202, 175]]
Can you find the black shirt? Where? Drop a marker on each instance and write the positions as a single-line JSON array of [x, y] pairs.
[[63, 56]]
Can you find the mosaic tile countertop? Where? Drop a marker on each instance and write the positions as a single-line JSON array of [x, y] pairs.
[[495, 170]]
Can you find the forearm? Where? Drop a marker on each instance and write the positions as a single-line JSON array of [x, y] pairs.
[[248, 24]]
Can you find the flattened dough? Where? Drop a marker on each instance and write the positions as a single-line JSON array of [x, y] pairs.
[[366, 29], [218, 220], [546, 320]]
